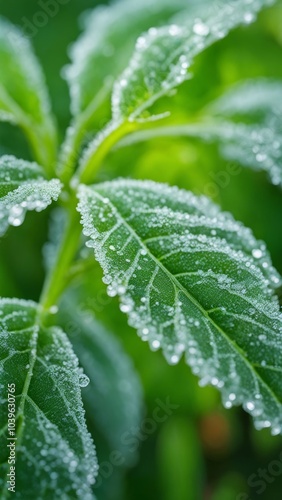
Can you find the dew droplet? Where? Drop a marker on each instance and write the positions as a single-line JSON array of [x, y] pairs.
[[83, 380], [53, 309], [249, 17], [174, 359], [200, 28], [156, 344], [257, 253], [125, 308], [250, 406]]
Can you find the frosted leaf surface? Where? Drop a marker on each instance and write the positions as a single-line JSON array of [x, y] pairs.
[[24, 99], [55, 453], [193, 282], [258, 147], [254, 141], [102, 51], [257, 97], [163, 56], [23, 188], [113, 398]]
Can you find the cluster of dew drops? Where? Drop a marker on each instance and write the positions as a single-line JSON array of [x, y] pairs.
[[192, 40]]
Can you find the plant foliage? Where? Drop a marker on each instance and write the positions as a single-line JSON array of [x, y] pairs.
[[192, 280]]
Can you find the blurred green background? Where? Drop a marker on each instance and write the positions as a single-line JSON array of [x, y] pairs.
[[201, 451]]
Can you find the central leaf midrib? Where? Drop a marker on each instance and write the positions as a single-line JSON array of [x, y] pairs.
[[32, 361], [25, 392], [190, 297], [39, 410]]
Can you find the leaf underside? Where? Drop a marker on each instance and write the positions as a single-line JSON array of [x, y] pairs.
[[55, 453], [192, 280]]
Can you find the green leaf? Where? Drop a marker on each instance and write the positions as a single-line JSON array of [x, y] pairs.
[[256, 144], [98, 57], [257, 98], [160, 63], [55, 453], [102, 51], [113, 399], [163, 56], [23, 96], [23, 188], [257, 147], [192, 280]]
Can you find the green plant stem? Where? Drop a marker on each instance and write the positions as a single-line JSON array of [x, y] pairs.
[[105, 141], [80, 127], [43, 145], [69, 155], [80, 268], [57, 279]]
